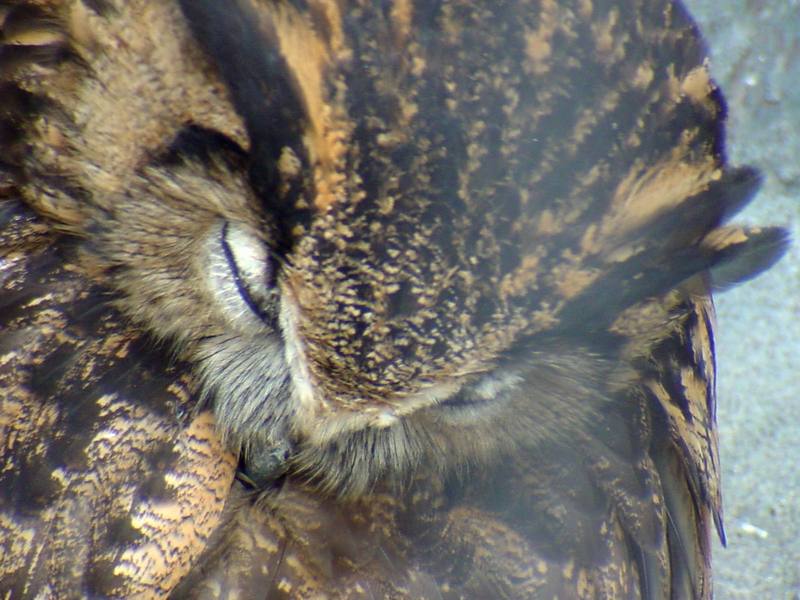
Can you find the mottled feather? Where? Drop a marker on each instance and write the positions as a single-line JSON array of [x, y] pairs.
[[401, 299]]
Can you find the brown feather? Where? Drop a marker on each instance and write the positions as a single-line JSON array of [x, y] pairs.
[[436, 274]]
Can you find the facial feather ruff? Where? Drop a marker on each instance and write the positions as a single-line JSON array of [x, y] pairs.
[[438, 269]]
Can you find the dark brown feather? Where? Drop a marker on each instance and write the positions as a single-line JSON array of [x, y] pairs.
[[479, 360]]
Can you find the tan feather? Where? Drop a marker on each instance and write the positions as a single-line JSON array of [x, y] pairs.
[[357, 299]]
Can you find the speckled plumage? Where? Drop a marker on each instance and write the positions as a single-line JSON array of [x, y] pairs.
[[437, 274]]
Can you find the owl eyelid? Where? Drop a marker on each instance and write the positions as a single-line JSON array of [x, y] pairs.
[[491, 389], [239, 280]]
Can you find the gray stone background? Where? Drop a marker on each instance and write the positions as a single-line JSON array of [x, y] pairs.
[[755, 50]]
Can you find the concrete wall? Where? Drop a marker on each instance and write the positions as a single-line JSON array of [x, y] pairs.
[[755, 49]]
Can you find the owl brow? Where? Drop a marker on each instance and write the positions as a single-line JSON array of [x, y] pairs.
[[265, 93]]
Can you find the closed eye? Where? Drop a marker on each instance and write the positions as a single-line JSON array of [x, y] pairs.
[[241, 276], [486, 394]]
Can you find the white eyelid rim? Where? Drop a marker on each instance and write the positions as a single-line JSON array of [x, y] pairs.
[[236, 257], [495, 384]]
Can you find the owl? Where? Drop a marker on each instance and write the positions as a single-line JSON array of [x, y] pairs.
[[360, 299]]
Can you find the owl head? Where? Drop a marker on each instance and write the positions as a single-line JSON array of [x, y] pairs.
[[388, 234]]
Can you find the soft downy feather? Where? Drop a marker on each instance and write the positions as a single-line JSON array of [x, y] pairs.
[[496, 233]]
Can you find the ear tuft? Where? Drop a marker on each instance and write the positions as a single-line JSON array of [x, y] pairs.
[[744, 252]]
